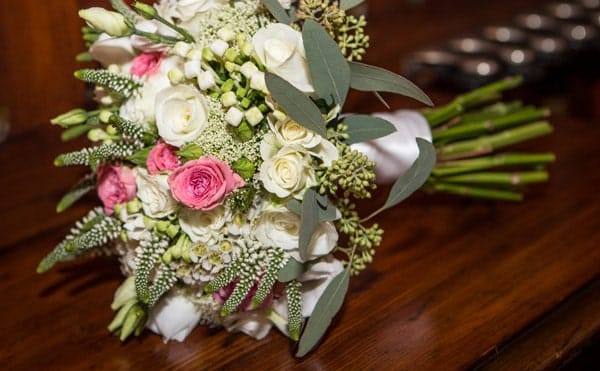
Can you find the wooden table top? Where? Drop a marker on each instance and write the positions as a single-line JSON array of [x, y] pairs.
[[456, 284]]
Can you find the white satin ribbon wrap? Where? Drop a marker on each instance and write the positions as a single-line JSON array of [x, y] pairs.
[[396, 152]]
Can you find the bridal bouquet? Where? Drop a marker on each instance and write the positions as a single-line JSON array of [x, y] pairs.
[[227, 170]]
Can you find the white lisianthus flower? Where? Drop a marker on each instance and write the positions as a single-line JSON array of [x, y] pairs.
[[188, 9], [154, 192], [286, 4], [281, 50], [174, 317], [254, 324], [276, 226], [112, 23], [396, 152], [154, 27], [287, 170], [289, 132], [181, 114], [109, 50], [140, 108], [201, 226]]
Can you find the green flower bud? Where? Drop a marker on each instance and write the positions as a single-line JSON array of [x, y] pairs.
[[104, 20], [145, 10], [73, 117], [125, 292]]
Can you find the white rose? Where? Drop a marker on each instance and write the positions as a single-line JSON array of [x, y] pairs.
[[174, 317], [281, 50], [289, 132], [188, 9], [201, 226], [395, 153], [181, 114], [109, 50], [286, 171], [278, 227], [154, 192], [140, 107]]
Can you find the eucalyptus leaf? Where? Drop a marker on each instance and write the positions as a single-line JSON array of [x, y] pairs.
[[308, 220], [370, 78], [295, 104], [362, 128], [83, 186], [349, 4], [414, 177], [277, 11], [294, 206], [329, 70], [326, 308], [291, 271]]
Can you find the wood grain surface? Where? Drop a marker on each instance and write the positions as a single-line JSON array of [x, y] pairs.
[[456, 284]]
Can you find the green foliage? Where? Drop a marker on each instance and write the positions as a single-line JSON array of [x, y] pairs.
[[326, 308], [94, 230], [329, 69], [296, 104], [362, 128], [94, 156], [370, 78], [83, 186], [277, 11]]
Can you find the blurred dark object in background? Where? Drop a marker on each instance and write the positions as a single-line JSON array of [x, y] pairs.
[[556, 48]]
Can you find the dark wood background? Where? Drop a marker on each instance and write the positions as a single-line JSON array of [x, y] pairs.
[[457, 283]]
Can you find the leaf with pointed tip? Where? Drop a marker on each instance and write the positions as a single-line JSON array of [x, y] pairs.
[[308, 220], [277, 11], [292, 270], [326, 308], [329, 70], [83, 186], [362, 128], [327, 211], [295, 104], [364, 77], [414, 177], [349, 4]]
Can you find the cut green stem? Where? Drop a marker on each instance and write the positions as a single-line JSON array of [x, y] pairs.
[[499, 178], [488, 162], [477, 192]]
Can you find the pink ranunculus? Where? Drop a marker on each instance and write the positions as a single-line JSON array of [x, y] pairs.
[[203, 184], [162, 157], [146, 64], [116, 184]]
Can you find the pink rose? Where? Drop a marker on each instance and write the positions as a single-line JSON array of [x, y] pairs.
[[203, 184], [146, 64], [116, 184], [162, 157]]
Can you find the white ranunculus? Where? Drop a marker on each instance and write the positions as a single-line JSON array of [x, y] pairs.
[[254, 324], [285, 171], [281, 50], [109, 50], [181, 114], [188, 9], [289, 132], [112, 23], [140, 107], [154, 192], [201, 226], [174, 317], [395, 153], [276, 226]]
